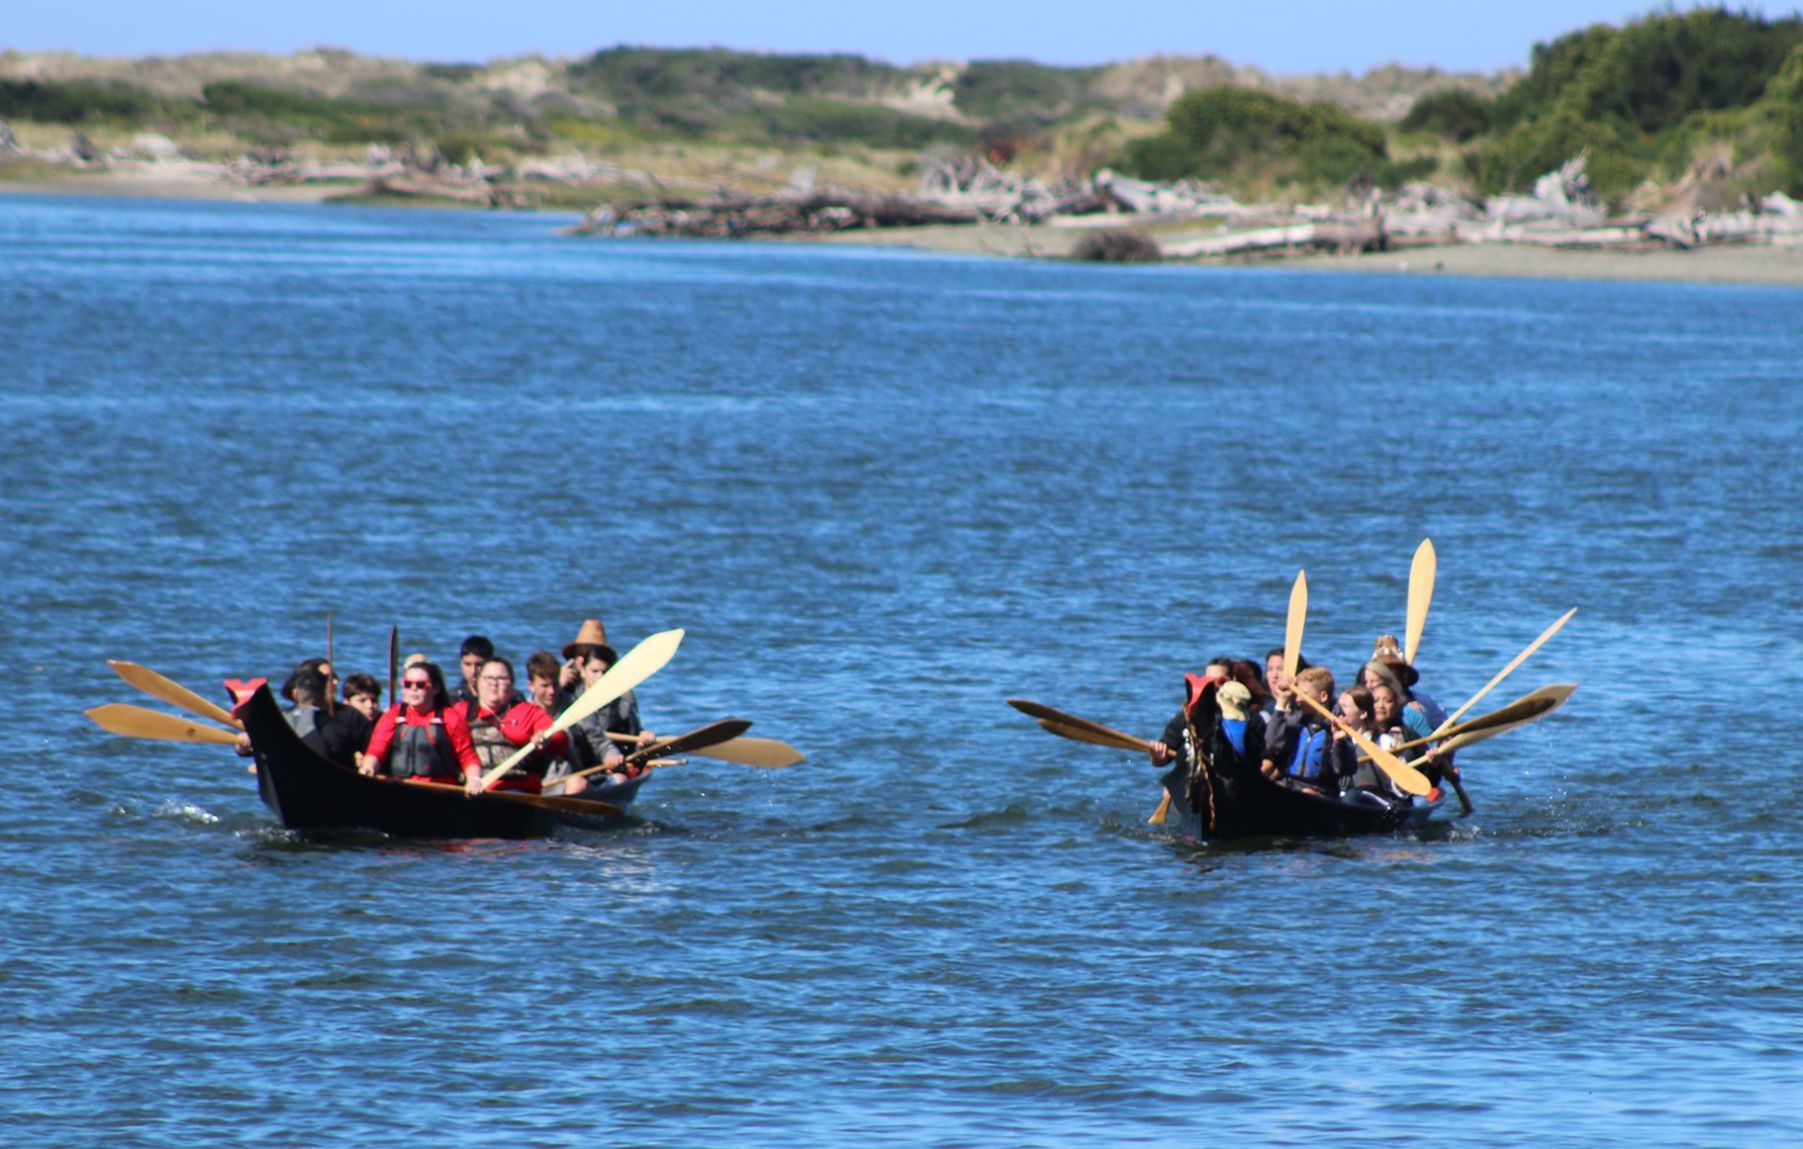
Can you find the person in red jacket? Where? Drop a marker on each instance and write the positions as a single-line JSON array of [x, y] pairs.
[[420, 739], [499, 726]]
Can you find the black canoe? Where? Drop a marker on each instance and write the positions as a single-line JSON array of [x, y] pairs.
[[1249, 805], [311, 793]]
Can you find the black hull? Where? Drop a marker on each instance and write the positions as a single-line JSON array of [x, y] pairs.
[[1252, 806], [311, 794]]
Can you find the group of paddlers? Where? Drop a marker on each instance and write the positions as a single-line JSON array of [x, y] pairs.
[[1264, 720], [433, 733]]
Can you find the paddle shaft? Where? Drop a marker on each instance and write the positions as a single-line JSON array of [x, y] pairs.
[[1509, 669], [331, 703], [544, 801]]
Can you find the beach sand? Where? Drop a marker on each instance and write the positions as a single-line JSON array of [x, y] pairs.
[[1781, 266], [1725, 264]]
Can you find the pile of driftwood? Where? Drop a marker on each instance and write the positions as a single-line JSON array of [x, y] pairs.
[[735, 217]]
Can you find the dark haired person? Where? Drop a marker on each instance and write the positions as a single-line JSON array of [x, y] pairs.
[[307, 687], [420, 738], [475, 651], [588, 658], [499, 726], [348, 732]]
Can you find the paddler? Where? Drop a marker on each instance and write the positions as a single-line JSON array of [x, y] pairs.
[[586, 659], [420, 739], [499, 726]]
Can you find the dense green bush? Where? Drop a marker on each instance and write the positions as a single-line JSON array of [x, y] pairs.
[[1453, 113], [77, 102], [1231, 133], [1783, 104]]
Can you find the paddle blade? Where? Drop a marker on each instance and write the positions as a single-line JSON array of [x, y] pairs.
[[1543, 702], [712, 734], [1292, 628], [137, 722], [1090, 737], [170, 691], [634, 667], [1071, 721], [1164, 809], [764, 753], [1421, 593]]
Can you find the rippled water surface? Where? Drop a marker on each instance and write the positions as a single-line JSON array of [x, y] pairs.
[[882, 492]]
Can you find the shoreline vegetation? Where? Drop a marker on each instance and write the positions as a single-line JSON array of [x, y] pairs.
[[1669, 148]]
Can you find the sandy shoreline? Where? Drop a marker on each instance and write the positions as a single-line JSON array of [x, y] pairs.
[[1778, 266]]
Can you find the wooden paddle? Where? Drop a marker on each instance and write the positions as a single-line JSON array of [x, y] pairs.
[[634, 667], [1070, 722], [1469, 736], [1406, 777], [1164, 809], [766, 753], [170, 691], [1530, 707], [394, 659], [544, 801], [1080, 734], [331, 704], [712, 734], [137, 722], [1292, 627], [1507, 670], [1421, 593]]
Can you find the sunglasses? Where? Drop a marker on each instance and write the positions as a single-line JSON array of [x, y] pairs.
[[416, 683]]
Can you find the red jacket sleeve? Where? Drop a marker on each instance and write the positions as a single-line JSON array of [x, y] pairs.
[[382, 738], [526, 720]]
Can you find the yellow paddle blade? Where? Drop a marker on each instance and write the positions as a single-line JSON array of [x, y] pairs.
[[634, 667], [1421, 593], [764, 753], [1092, 737], [1292, 628], [1164, 808], [137, 722], [1072, 722], [170, 691]]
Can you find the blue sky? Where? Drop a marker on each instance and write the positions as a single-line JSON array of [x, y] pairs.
[[1283, 36]]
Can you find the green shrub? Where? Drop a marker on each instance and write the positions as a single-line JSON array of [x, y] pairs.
[[1452, 113], [77, 102]]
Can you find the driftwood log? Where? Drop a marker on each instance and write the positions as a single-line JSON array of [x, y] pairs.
[[735, 217]]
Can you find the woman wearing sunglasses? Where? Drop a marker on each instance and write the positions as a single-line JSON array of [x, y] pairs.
[[420, 739]]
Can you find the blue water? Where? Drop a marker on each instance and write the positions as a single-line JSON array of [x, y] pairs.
[[884, 491]]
